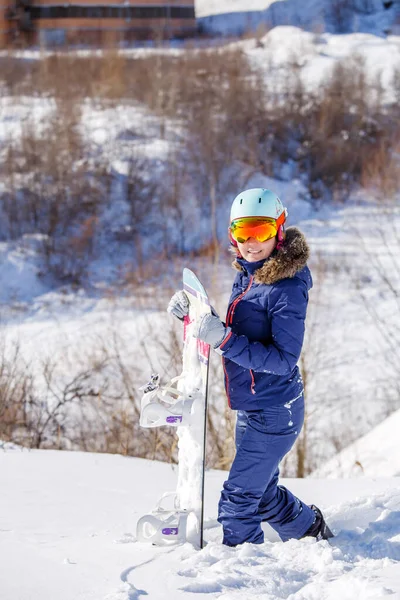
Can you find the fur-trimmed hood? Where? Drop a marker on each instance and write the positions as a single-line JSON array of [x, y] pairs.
[[283, 263]]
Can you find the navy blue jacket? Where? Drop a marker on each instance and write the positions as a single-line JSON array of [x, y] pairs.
[[266, 313]]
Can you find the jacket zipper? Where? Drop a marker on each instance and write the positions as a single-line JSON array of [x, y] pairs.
[[229, 319], [253, 383], [235, 302], [226, 383]]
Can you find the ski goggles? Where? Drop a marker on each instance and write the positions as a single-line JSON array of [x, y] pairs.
[[260, 228]]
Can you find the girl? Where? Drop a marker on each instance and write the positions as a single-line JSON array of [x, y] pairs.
[[260, 345]]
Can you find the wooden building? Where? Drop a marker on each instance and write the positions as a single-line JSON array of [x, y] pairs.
[[53, 23]]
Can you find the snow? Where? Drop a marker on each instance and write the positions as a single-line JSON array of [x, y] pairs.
[[208, 7], [370, 454], [233, 17], [67, 531], [318, 54], [19, 271], [236, 17]]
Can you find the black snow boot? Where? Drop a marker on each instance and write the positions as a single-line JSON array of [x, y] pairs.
[[319, 529]]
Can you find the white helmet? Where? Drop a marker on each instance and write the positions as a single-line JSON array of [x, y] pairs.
[[257, 202]]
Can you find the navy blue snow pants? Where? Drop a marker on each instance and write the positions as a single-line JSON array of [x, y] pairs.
[[252, 494]]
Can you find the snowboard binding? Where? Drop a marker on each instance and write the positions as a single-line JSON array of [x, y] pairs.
[[163, 526], [165, 405]]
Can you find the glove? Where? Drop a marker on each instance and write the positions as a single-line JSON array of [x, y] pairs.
[[179, 305], [211, 330]]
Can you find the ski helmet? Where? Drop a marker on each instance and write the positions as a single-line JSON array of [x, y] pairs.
[[259, 202]]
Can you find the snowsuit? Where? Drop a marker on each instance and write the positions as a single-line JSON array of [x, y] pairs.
[[266, 313]]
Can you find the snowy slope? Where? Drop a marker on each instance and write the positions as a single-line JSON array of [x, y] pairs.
[[67, 525], [318, 54], [232, 17], [375, 452]]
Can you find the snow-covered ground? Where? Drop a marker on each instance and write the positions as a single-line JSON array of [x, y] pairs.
[[67, 531]]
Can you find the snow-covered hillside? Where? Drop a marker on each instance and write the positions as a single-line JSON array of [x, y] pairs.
[[318, 54], [67, 531], [374, 453], [233, 17]]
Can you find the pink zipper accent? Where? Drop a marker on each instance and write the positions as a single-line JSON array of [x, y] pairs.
[[227, 383], [253, 383], [229, 319], [238, 299], [226, 339]]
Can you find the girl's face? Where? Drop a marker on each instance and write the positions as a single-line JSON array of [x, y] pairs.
[[252, 250]]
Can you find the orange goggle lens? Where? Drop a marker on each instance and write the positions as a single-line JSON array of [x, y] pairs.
[[261, 229]]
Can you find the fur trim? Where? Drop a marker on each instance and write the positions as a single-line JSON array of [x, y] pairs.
[[283, 263]]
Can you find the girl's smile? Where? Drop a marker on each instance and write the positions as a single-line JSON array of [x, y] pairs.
[[252, 250]]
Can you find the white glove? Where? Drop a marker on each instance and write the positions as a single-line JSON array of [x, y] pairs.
[[211, 330], [179, 305]]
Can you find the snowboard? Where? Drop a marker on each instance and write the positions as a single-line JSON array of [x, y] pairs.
[[179, 516]]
